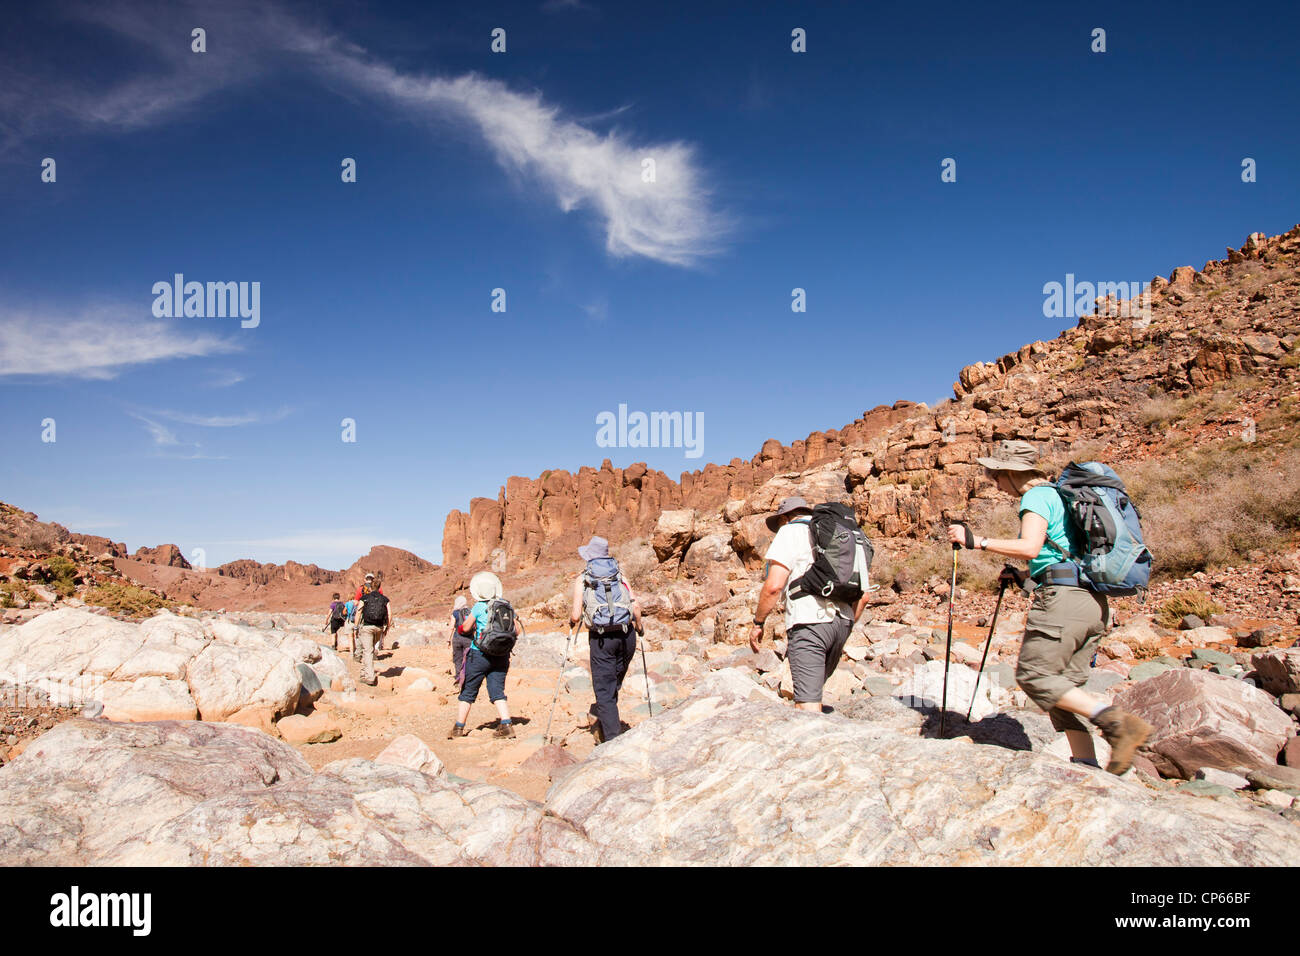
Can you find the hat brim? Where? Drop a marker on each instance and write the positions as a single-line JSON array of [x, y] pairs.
[[774, 522], [998, 464]]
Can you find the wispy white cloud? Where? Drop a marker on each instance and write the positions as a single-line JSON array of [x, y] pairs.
[[96, 343], [224, 378], [168, 445], [225, 421], [671, 219]]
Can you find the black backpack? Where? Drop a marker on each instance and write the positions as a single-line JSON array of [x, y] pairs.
[[374, 609], [836, 540], [498, 637], [337, 614]]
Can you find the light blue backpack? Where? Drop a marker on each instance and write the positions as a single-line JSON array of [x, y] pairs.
[[1114, 560], [606, 604]]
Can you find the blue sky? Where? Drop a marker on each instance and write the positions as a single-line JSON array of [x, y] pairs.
[[522, 170]]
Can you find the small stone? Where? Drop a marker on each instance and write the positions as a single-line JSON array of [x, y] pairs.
[[421, 686], [1190, 622], [1148, 669], [1290, 703], [1223, 778], [1291, 753], [1203, 788], [1277, 798], [1276, 778], [878, 686], [1213, 657]]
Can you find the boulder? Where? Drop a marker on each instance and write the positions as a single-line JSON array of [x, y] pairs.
[[146, 699], [731, 782], [413, 753], [314, 728], [922, 689], [1204, 720], [226, 678], [87, 790], [1276, 778], [673, 533], [1278, 670]]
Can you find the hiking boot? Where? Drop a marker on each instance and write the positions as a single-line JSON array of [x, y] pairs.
[[1125, 733], [457, 730], [504, 729]]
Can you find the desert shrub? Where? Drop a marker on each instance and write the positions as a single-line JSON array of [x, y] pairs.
[[12, 593], [127, 599], [62, 575], [1172, 612], [535, 592], [1214, 505]]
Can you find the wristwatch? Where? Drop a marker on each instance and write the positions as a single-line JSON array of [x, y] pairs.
[[984, 543]]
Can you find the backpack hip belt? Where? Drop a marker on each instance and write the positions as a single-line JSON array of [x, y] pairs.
[[1065, 574]]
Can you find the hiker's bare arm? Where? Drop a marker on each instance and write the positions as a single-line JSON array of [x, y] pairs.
[[575, 612], [773, 585], [1033, 532], [860, 606], [467, 625], [635, 605]]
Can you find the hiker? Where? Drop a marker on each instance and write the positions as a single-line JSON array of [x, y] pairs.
[[370, 581], [335, 618], [373, 620], [603, 600], [494, 628], [459, 641], [1066, 618], [350, 616], [817, 627]]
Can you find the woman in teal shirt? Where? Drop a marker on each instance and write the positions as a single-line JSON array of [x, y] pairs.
[[1066, 621]]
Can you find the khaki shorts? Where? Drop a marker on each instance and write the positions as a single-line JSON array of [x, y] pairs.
[[1064, 627]]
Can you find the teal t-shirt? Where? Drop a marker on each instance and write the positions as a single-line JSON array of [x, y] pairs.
[[1045, 501], [479, 613]]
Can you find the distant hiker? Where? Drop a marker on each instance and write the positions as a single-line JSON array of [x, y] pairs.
[[821, 600], [1066, 619], [350, 616], [374, 619], [495, 629], [459, 641], [335, 619], [604, 602], [370, 582]]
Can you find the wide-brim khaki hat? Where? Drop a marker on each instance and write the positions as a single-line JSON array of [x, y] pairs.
[[789, 505], [1012, 455], [485, 586]]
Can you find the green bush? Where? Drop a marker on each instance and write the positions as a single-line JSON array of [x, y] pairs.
[[127, 599], [1173, 611]]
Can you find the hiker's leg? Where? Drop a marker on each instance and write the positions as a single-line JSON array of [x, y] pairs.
[[626, 649], [368, 654], [496, 683], [604, 684], [476, 668], [1061, 633], [837, 636], [805, 651]]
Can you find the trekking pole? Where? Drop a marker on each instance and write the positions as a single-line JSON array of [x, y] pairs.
[[646, 671], [987, 644], [568, 639], [952, 595]]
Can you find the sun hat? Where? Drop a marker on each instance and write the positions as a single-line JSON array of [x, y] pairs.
[[788, 505], [1012, 455], [485, 586], [460, 602], [597, 547]]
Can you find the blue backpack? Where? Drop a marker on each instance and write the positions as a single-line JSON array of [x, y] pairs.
[[1114, 560], [606, 604]]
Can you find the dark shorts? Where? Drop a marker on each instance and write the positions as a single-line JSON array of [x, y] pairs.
[[478, 668], [813, 651]]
